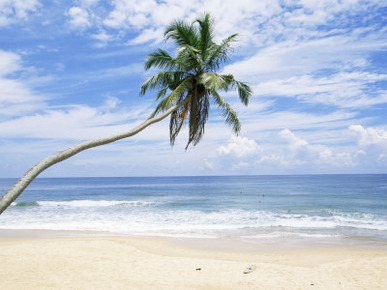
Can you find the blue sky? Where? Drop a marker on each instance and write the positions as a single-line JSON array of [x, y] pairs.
[[71, 71]]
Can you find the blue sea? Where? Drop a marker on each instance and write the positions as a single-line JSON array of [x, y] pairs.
[[323, 209]]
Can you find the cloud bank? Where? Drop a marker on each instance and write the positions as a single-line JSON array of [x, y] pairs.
[[73, 70]]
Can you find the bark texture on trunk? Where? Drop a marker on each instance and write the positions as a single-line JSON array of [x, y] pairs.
[[13, 193]]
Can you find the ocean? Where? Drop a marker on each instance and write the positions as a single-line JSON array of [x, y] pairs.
[[320, 209]]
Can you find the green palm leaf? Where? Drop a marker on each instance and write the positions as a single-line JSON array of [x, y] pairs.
[[182, 33], [228, 113], [213, 81], [160, 59], [206, 34], [174, 97], [218, 54]]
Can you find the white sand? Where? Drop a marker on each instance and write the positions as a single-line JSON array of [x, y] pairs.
[[129, 263]]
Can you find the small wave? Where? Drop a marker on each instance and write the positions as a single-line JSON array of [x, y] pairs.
[[284, 234], [134, 203], [93, 203], [25, 203]]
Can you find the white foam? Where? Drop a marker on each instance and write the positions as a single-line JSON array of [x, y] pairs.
[[142, 218], [285, 234], [94, 203]]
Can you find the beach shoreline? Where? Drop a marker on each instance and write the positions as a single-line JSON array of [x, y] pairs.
[[234, 243], [112, 262], [289, 212]]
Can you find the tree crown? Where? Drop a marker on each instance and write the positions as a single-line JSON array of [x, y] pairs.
[[191, 77]]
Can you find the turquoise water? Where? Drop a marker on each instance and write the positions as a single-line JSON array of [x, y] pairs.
[[321, 208]]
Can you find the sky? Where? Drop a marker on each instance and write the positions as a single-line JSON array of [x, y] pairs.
[[71, 71]]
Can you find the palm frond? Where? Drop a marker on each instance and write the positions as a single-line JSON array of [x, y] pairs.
[[162, 80], [173, 97], [161, 93], [244, 90], [218, 54], [213, 81], [228, 113], [182, 33], [189, 56], [198, 116], [160, 59], [206, 33], [177, 121]]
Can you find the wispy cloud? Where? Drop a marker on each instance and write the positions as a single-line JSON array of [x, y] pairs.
[[343, 89], [74, 122], [16, 97], [12, 11]]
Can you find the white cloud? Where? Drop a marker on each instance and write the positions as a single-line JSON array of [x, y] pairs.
[[258, 123], [295, 58], [155, 35], [16, 97], [373, 146], [295, 142], [289, 153], [297, 151], [239, 147], [27, 114], [102, 37], [127, 14], [9, 63], [370, 153], [150, 17], [370, 136], [79, 18], [344, 89], [75, 122], [207, 164], [12, 11], [112, 102], [240, 165], [260, 23], [300, 152]]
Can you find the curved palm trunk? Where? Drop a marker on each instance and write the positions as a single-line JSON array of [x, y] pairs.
[[39, 167]]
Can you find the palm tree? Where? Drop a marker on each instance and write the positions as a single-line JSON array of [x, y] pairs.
[[186, 86], [191, 78]]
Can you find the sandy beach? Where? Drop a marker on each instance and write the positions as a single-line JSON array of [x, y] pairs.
[[137, 263]]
